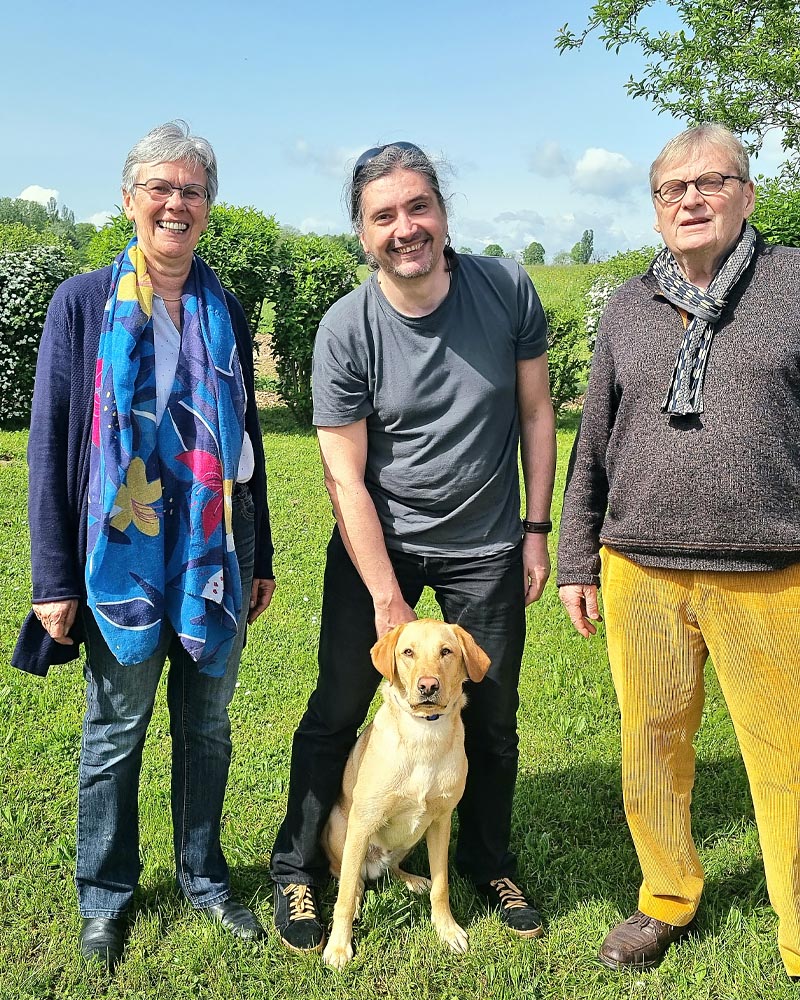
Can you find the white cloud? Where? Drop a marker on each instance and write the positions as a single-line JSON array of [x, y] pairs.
[[610, 175], [329, 162], [549, 160], [599, 172], [514, 230], [526, 215], [36, 193], [313, 224], [99, 219]]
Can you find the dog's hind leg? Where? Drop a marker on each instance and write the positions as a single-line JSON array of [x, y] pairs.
[[414, 883], [438, 840], [339, 949], [333, 837], [360, 890]]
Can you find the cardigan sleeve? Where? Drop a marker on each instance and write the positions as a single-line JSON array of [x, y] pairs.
[[52, 518]]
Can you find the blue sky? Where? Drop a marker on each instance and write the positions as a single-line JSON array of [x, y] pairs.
[[539, 146]]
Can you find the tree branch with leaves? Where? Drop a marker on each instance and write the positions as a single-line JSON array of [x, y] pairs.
[[732, 62]]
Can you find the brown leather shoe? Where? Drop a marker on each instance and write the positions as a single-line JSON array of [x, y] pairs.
[[640, 942]]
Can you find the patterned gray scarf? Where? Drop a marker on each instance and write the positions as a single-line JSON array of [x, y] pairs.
[[685, 394]]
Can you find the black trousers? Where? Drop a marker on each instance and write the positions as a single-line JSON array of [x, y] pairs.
[[486, 596]]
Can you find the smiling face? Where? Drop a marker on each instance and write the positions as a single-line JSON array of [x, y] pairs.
[[701, 230], [405, 228], [168, 231]]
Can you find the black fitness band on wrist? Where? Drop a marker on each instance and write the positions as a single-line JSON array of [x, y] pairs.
[[537, 527]]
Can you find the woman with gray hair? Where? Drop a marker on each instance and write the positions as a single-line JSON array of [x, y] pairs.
[[150, 534]]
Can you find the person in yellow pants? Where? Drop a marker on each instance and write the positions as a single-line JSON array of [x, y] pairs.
[[685, 487], [746, 622]]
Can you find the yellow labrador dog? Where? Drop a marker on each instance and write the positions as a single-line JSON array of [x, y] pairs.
[[404, 776]]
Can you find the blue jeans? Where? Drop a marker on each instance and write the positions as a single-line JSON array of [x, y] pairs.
[[483, 594], [119, 705]]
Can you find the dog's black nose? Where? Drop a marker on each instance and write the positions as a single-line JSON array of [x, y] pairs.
[[427, 686]]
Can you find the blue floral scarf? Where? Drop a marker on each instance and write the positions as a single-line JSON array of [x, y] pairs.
[[160, 534]]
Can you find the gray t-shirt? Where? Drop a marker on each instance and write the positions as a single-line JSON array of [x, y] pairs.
[[438, 394]]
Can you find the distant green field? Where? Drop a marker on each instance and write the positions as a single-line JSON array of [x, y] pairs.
[[556, 285], [560, 285]]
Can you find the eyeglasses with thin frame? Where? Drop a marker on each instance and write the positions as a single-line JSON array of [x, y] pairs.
[[161, 190], [712, 182], [374, 151]]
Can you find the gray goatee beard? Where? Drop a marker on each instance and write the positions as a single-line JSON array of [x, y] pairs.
[[374, 265]]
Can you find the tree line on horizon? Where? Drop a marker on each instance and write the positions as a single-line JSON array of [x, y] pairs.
[[25, 223], [534, 252]]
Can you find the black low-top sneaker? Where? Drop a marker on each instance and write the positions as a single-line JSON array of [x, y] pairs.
[[297, 917], [515, 911]]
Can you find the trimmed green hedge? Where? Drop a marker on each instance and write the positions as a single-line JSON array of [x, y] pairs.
[[28, 278], [314, 273]]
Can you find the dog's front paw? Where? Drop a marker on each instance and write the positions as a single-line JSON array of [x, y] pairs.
[[337, 955], [452, 934]]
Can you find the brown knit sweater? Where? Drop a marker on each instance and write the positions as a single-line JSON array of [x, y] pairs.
[[718, 491]]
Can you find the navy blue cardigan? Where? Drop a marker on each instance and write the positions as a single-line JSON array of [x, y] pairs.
[[58, 456]]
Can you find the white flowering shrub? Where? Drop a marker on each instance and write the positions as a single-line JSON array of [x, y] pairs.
[[28, 278], [610, 275], [596, 299]]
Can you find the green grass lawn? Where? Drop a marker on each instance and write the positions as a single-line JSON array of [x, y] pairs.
[[575, 855]]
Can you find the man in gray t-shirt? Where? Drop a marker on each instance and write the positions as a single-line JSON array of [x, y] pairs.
[[427, 379], [438, 394]]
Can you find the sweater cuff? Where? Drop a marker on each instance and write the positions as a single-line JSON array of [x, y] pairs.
[[577, 580]]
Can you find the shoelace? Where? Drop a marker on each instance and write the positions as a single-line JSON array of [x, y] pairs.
[[511, 897], [301, 902], [642, 921]]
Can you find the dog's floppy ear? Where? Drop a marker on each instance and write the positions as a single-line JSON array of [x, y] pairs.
[[476, 661], [383, 652]]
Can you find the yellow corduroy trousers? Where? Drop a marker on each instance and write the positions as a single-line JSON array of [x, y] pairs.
[[661, 626]]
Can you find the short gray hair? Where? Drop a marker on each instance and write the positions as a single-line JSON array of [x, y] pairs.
[[390, 158], [706, 134], [171, 142]]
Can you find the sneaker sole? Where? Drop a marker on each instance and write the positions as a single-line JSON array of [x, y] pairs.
[[535, 932], [609, 963], [302, 951]]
